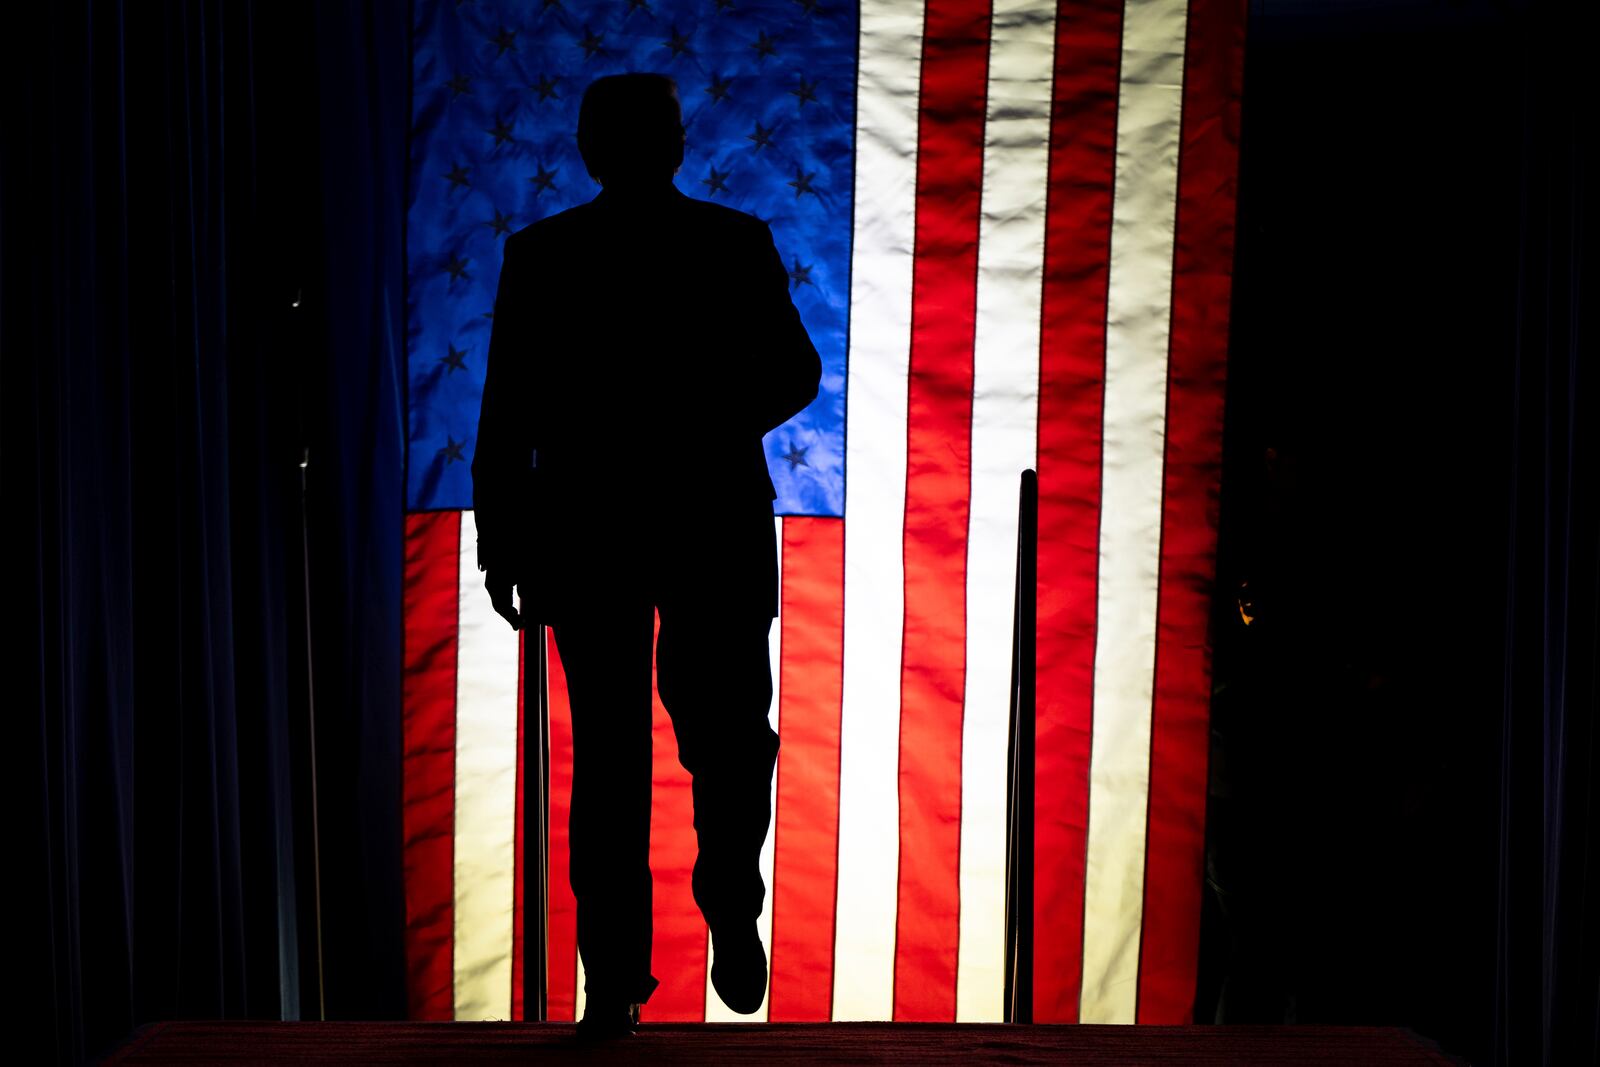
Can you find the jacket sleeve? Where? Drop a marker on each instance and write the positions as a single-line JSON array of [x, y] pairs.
[[788, 368], [503, 457]]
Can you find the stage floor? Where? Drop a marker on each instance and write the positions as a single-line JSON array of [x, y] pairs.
[[808, 1044]]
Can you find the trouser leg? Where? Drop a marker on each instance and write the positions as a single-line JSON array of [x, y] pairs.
[[607, 664], [715, 681]]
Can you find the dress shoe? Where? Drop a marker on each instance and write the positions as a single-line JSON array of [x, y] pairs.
[[603, 1018], [739, 967]]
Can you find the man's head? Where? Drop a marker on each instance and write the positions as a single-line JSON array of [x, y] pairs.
[[630, 129]]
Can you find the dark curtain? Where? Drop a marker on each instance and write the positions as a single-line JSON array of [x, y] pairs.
[[185, 309], [1401, 822], [1350, 828], [362, 116], [1547, 961]]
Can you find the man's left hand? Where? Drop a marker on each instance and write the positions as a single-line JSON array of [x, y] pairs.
[[500, 585]]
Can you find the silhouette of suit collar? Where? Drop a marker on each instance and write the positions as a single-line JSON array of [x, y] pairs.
[[639, 198]]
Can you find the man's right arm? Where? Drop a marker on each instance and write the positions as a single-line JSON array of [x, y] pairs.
[[787, 367], [503, 453]]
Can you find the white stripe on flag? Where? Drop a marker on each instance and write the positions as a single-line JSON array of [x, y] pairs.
[[579, 998], [486, 795], [716, 1011], [889, 67], [1138, 323], [768, 847], [1005, 408]]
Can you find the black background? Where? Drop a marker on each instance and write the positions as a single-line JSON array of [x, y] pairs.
[[1352, 822], [197, 285]]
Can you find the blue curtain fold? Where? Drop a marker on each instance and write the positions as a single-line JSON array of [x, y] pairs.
[[362, 117], [1546, 1005], [200, 278]]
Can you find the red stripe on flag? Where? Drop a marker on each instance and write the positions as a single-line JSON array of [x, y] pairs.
[[428, 709], [806, 824], [1083, 128], [562, 1003], [518, 868], [955, 68], [678, 945], [1180, 736]]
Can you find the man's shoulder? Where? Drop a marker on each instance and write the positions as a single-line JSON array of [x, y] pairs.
[[711, 214], [711, 221], [551, 227]]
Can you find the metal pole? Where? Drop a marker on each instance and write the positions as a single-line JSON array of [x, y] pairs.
[[536, 820], [311, 731], [1019, 779]]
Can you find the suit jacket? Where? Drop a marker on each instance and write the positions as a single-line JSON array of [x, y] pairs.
[[641, 347]]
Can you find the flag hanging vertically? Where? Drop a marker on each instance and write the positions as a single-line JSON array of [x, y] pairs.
[[1009, 229]]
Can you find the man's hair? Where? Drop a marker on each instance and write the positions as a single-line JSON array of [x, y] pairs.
[[630, 126]]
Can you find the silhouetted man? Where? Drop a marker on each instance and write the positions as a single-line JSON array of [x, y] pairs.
[[643, 344]]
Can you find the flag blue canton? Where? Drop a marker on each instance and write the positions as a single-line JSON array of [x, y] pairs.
[[768, 93]]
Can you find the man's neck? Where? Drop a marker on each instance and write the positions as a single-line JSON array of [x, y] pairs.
[[615, 192]]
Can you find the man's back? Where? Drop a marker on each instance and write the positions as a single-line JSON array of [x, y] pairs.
[[642, 346], [666, 348]]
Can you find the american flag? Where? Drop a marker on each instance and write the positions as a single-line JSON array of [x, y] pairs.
[[1009, 231]]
